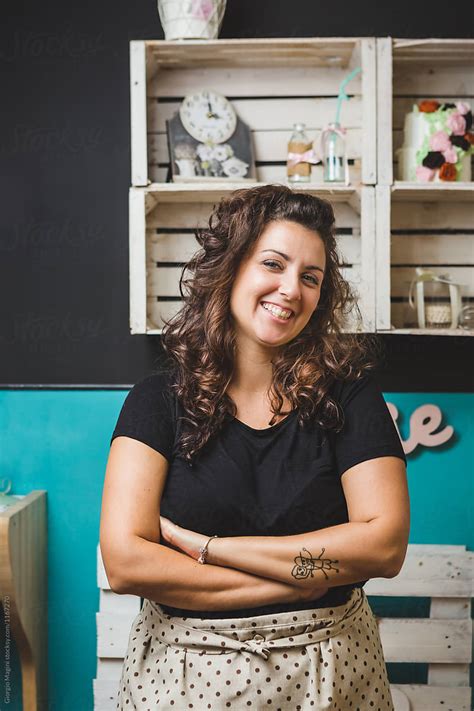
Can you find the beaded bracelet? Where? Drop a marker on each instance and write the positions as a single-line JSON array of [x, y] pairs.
[[203, 551]]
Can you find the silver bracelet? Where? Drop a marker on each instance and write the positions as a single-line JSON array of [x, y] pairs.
[[203, 551]]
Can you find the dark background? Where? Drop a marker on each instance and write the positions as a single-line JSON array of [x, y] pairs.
[[65, 167]]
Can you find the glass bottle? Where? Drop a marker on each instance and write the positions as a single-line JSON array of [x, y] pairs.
[[334, 154], [299, 143]]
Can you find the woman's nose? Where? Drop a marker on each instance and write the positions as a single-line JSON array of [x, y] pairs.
[[290, 287]]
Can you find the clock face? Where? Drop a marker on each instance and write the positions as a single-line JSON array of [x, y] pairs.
[[208, 116]]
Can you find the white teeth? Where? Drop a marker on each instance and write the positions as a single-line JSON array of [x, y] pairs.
[[277, 311]]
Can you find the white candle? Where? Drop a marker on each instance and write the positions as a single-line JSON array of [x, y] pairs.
[[438, 315]]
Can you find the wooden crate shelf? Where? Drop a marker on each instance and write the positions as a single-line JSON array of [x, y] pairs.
[[272, 84], [301, 77], [417, 227], [428, 332], [209, 192], [419, 224], [298, 52], [433, 192], [408, 71], [415, 224], [163, 221]]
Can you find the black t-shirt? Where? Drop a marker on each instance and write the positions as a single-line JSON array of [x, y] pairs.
[[278, 481]]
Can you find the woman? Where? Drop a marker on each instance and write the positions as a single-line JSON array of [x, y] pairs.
[[269, 452]]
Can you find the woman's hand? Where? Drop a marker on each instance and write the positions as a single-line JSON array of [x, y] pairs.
[[189, 542]]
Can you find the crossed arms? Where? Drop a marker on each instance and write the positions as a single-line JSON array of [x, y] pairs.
[[248, 571]]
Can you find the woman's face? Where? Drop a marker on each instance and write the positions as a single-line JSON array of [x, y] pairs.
[[284, 271]]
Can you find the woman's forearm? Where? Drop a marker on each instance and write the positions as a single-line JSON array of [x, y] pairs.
[[156, 572], [338, 555]]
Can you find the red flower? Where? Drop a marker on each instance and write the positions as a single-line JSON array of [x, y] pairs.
[[469, 137], [447, 172], [428, 106]]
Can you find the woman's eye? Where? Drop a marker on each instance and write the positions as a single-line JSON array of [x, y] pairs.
[[272, 265]]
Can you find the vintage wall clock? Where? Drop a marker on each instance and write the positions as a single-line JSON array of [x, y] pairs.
[[208, 141]]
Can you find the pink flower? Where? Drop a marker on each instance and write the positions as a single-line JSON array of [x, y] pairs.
[[457, 124], [202, 9], [423, 174], [450, 156], [462, 107], [439, 141]]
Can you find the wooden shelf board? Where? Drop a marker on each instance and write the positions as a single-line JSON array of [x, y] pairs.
[[208, 192], [395, 332], [324, 52], [427, 332], [433, 192], [424, 51]]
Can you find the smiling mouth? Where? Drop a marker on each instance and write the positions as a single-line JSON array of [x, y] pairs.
[[276, 313]]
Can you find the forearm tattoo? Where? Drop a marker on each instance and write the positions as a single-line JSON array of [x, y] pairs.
[[306, 564]]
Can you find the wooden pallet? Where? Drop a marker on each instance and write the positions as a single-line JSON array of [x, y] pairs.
[[443, 641]]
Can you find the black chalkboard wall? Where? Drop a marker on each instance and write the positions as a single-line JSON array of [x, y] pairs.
[[65, 162]]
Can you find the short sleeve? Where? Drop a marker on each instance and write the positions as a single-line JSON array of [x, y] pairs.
[[369, 430], [147, 414]]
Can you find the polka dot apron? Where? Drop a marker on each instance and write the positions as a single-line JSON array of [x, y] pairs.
[[323, 658]]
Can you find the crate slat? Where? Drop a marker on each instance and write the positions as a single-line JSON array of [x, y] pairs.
[[369, 112], [448, 675], [251, 81], [224, 53], [109, 669], [105, 694], [110, 601], [269, 145], [402, 276], [443, 249], [445, 574], [272, 114], [267, 173], [102, 581], [431, 215], [427, 698], [456, 192], [164, 281], [426, 640], [189, 215], [180, 247], [138, 108]]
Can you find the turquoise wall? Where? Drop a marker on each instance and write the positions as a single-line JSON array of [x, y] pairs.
[[59, 441]]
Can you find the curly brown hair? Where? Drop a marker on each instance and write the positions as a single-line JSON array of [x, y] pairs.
[[200, 340]]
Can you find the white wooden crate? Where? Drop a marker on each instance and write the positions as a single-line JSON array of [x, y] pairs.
[[408, 71], [443, 573], [431, 228], [273, 83], [417, 224], [162, 224]]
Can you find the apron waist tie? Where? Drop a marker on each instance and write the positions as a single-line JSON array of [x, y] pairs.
[[169, 631]]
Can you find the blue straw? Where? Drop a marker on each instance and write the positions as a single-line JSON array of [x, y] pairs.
[[342, 92]]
